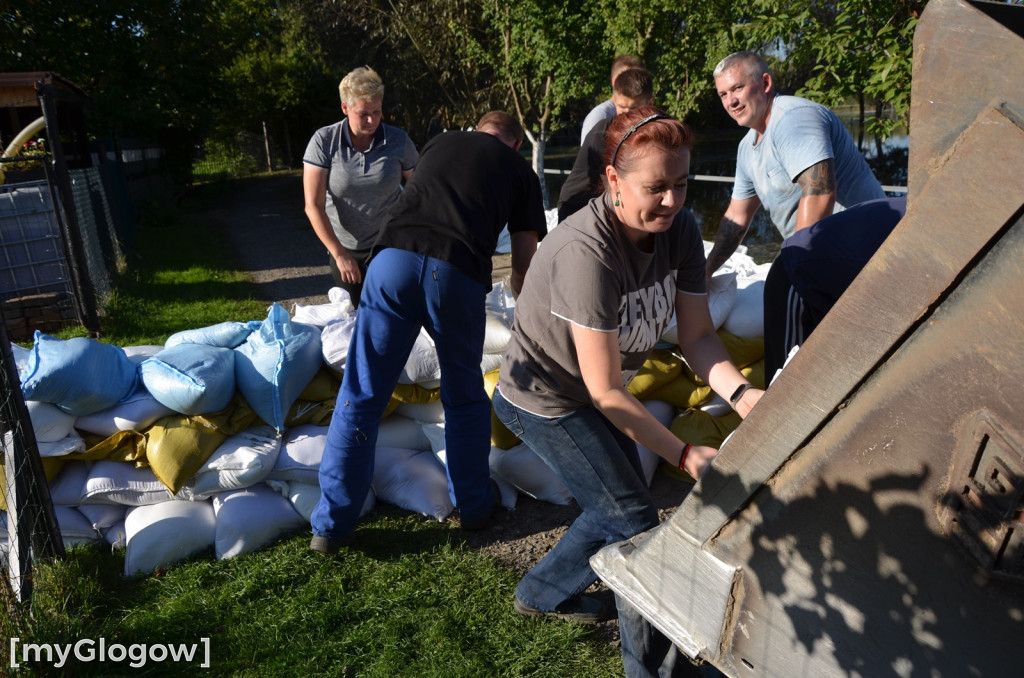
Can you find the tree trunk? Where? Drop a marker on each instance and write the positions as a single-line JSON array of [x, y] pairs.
[[539, 144]]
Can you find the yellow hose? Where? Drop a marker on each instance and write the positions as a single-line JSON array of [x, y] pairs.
[[14, 148]]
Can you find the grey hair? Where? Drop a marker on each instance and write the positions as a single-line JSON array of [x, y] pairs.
[[752, 62]]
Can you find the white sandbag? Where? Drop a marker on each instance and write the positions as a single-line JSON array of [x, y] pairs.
[[490, 362], [276, 363], [422, 365], [241, 461], [300, 455], [746, 319], [227, 334], [507, 493], [721, 297], [49, 422], [403, 432], [162, 534], [67, 487], [304, 497], [520, 467], [249, 519], [501, 303], [80, 375], [191, 378], [68, 445], [435, 434], [412, 480], [116, 536], [664, 412], [497, 332], [426, 413], [319, 315], [74, 527], [116, 482], [137, 412], [334, 340], [21, 356], [103, 516], [139, 353]]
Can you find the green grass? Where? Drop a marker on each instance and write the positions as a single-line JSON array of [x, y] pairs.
[[410, 598]]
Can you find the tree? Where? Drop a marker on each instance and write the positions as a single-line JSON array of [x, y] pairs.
[[534, 48], [852, 50], [679, 44]]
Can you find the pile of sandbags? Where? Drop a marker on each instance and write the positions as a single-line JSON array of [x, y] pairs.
[[215, 438]]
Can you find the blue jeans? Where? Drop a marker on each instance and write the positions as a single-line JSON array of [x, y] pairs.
[[600, 466], [403, 292]]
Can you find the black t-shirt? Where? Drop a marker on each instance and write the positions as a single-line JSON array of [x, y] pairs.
[[585, 180], [467, 186]]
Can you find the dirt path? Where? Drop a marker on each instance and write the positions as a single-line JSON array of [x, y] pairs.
[[276, 246]]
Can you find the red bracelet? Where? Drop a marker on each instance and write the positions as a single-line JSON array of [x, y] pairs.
[[682, 459]]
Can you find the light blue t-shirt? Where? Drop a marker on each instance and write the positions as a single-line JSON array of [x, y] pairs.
[[800, 133], [361, 187], [605, 109]]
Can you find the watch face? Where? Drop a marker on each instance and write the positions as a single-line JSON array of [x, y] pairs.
[[738, 393]]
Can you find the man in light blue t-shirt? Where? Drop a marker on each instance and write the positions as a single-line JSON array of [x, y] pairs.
[[797, 160]]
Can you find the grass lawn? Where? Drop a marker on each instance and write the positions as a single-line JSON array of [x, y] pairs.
[[408, 599]]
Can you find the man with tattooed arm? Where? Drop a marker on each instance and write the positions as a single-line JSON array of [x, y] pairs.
[[798, 161]]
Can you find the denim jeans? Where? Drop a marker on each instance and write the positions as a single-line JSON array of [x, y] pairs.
[[600, 466], [404, 291]]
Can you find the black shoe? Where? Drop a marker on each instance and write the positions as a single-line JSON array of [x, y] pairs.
[[328, 545], [477, 524], [582, 609]]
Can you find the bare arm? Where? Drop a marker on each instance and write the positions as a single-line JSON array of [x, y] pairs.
[[407, 174], [734, 225], [601, 367], [524, 246], [818, 193], [314, 190]]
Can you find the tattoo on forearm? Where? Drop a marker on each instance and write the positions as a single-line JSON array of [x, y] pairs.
[[729, 236], [817, 179]]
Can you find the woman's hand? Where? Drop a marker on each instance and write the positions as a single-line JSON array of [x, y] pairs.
[[348, 268], [747, 401], [698, 459]]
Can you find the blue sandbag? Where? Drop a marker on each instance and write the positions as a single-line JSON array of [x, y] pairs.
[[191, 378], [276, 363], [226, 334], [80, 376]]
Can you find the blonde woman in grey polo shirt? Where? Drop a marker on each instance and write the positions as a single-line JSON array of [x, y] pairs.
[[353, 173]]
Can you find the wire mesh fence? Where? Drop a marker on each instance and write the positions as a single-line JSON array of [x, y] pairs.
[[30, 531]]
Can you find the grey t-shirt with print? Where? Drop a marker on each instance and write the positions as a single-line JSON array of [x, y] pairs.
[[361, 186], [586, 273]]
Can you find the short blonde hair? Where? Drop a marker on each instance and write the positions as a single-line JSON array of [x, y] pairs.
[[362, 84]]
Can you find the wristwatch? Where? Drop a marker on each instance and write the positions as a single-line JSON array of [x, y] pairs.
[[738, 393]]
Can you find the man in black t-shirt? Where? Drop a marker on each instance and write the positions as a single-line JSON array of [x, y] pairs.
[[431, 268]]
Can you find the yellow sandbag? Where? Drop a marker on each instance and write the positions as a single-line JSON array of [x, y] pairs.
[[755, 373], [305, 412], [51, 467], [684, 391], [501, 437], [324, 386], [127, 446], [176, 446], [661, 368], [700, 428], [743, 351], [233, 419]]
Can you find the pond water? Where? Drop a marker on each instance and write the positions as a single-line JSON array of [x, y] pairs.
[[715, 155]]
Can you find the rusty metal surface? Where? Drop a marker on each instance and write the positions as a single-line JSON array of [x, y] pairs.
[[866, 519]]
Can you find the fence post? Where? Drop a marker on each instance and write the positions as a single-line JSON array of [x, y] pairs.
[[32, 530]]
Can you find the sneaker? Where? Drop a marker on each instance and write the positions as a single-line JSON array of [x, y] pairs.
[[328, 544], [582, 609]]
